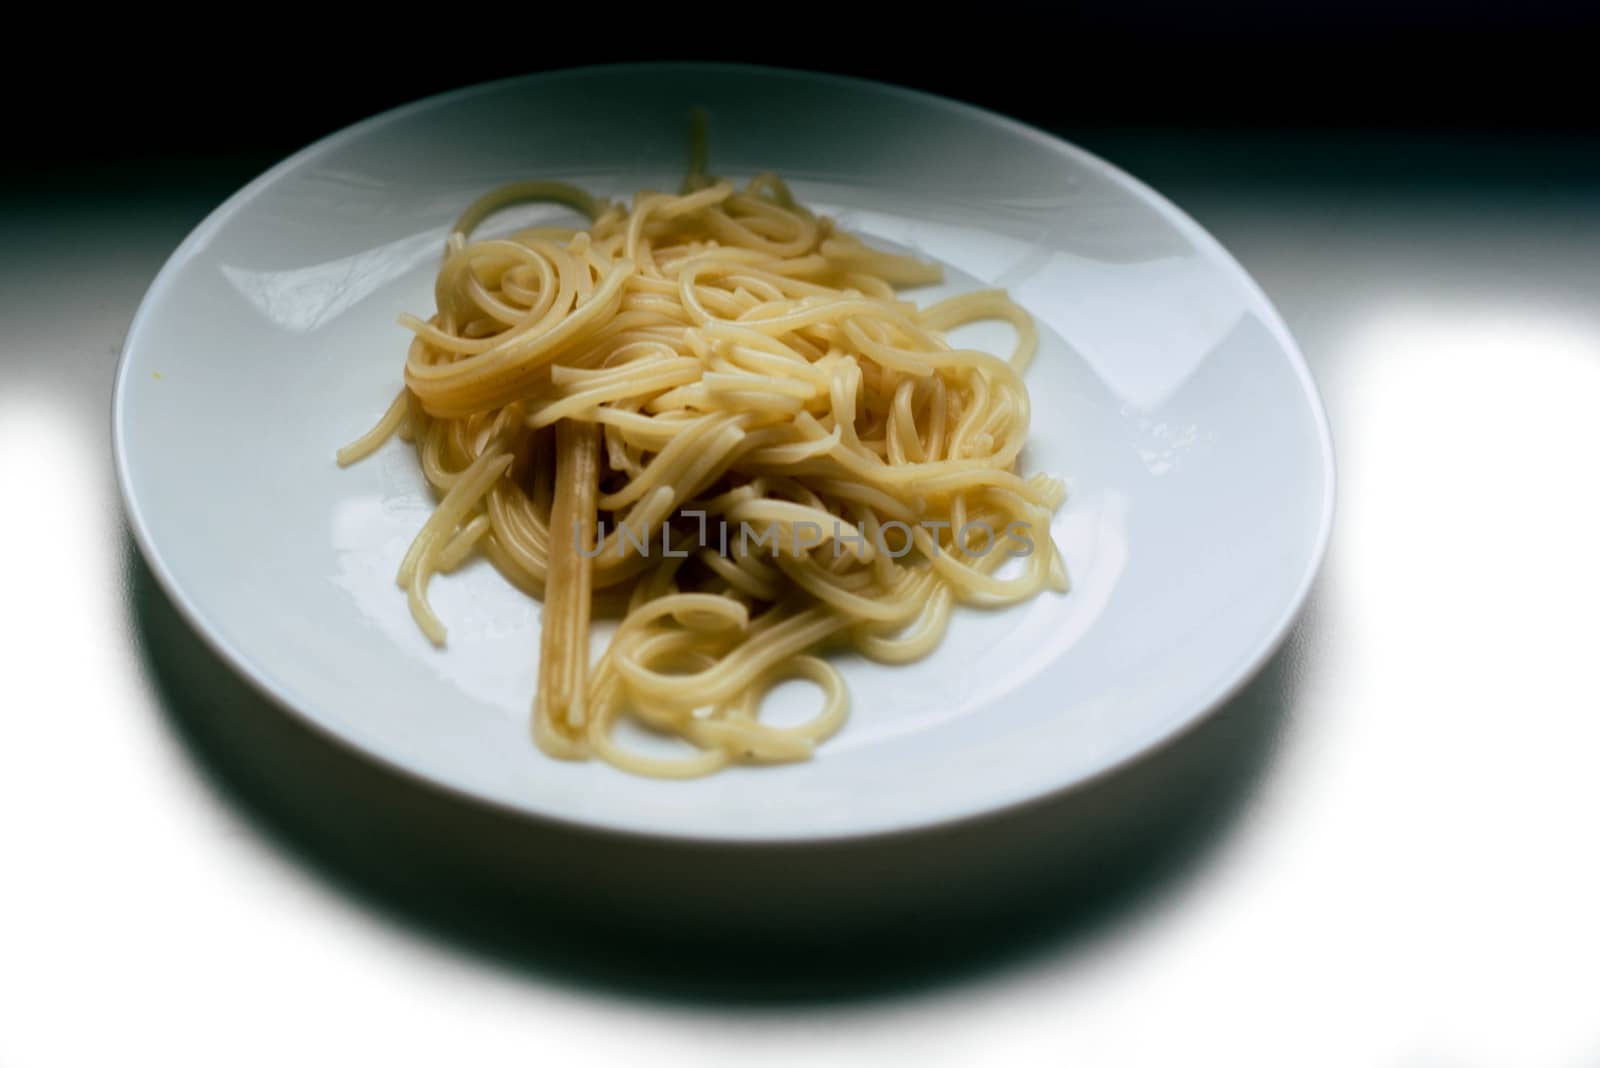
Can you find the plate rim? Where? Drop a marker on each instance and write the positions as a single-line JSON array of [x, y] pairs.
[[243, 666]]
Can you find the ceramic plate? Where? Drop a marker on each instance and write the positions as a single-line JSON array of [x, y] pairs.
[[1166, 392]]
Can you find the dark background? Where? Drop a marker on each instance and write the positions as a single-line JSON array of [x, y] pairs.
[[86, 91]]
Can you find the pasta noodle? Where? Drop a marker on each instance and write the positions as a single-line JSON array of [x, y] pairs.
[[710, 413]]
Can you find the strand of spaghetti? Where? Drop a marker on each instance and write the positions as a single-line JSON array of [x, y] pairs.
[[986, 304], [458, 548], [738, 669], [372, 440], [743, 736], [564, 641], [462, 498], [522, 192], [699, 151]]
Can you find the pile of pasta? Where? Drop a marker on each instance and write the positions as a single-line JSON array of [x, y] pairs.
[[711, 415]]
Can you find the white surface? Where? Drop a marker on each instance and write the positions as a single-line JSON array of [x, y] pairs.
[[1166, 391], [1413, 883]]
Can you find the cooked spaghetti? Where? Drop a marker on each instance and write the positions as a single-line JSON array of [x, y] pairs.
[[710, 414]]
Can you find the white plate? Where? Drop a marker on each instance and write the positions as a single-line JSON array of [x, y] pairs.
[[1167, 392]]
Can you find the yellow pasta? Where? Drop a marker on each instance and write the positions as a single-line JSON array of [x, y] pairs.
[[711, 414]]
